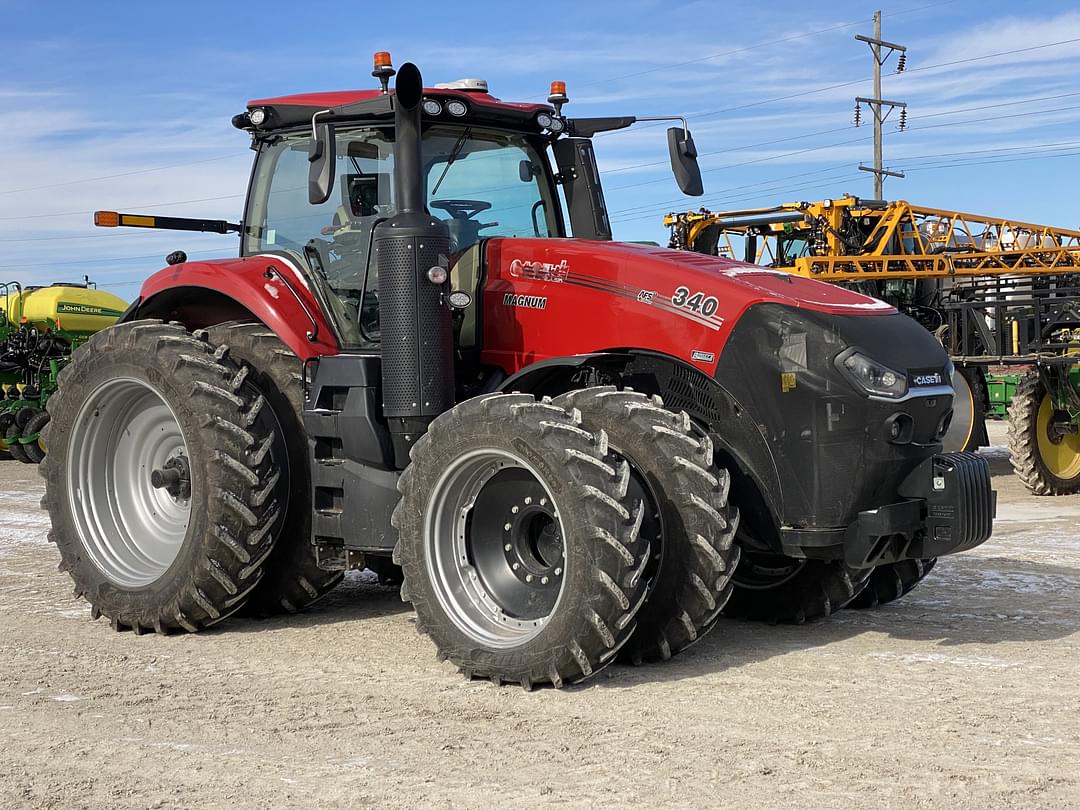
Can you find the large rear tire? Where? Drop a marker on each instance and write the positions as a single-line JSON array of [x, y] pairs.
[[162, 480], [521, 551], [689, 522], [773, 588], [292, 579], [891, 581], [1047, 461]]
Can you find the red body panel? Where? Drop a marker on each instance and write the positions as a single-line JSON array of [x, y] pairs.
[[338, 98], [278, 301], [555, 297], [547, 298]]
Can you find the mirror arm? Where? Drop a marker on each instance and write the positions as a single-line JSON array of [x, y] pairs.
[[682, 119], [315, 136]]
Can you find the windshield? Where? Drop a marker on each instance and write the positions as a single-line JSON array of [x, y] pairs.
[[482, 183]]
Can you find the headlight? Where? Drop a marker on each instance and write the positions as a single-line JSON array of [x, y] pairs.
[[543, 120], [456, 108], [432, 107], [870, 376]]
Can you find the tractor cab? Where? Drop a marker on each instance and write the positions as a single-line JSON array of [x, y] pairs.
[[482, 182], [324, 179]]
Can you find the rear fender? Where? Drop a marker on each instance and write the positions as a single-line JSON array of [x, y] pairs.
[[268, 289]]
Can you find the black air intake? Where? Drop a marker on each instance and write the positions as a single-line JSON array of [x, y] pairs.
[[417, 333]]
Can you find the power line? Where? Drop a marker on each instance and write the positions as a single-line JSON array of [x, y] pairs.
[[652, 207], [137, 205], [816, 90], [120, 174], [847, 127], [89, 261]]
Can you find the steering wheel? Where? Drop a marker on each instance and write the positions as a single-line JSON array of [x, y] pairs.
[[461, 209]]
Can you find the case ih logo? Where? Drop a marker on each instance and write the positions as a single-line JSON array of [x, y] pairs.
[[526, 301], [928, 379], [541, 271]]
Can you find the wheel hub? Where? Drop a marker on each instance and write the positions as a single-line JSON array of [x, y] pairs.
[[515, 544], [494, 541], [174, 476]]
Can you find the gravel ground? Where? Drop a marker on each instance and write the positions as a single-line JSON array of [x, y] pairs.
[[963, 694]]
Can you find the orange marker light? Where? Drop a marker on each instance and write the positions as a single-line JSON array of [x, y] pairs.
[[558, 88], [106, 219], [382, 59]]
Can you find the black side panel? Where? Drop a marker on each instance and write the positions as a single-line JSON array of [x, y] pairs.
[[581, 184], [352, 459]]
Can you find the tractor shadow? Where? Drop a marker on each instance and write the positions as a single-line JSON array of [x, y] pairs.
[[961, 611], [358, 597], [964, 608]]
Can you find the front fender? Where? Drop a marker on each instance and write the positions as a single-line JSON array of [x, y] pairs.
[[739, 442], [269, 289]]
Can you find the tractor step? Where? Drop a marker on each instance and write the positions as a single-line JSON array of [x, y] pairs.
[[354, 483]]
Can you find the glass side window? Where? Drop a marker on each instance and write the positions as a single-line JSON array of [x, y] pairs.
[[482, 183]]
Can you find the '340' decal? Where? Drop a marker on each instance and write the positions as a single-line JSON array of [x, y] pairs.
[[695, 302]]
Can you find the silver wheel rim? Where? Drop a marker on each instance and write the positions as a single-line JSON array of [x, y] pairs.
[[132, 531], [963, 419], [451, 547]]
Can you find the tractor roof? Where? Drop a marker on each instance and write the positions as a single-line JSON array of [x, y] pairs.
[[340, 98], [483, 108]]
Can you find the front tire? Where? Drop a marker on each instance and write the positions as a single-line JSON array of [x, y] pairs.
[[692, 527], [521, 552], [773, 588], [891, 581], [161, 480]]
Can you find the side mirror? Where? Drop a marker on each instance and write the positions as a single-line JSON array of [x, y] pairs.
[[526, 171], [322, 157], [684, 163]]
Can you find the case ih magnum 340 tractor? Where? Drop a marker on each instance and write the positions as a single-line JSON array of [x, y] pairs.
[[572, 448]]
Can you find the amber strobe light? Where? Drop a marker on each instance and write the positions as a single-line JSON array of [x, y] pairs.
[[106, 219], [383, 69], [557, 96]]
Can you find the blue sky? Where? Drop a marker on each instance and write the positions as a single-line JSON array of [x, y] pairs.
[[126, 106]]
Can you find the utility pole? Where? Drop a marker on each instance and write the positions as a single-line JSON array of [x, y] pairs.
[[881, 107]]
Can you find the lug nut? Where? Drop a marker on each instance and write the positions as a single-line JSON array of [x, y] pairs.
[[543, 580], [507, 527], [508, 547], [558, 571], [516, 566], [543, 501], [528, 577], [514, 510], [528, 500]]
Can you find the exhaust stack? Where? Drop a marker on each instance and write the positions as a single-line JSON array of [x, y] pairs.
[[411, 250]]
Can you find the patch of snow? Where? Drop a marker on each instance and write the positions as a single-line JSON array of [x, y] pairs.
[[964, 661]]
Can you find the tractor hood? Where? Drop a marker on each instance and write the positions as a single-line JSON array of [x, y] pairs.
[[659, 275], [757, 282]]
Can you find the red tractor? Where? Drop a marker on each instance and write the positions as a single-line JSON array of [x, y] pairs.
[[568, 450]]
